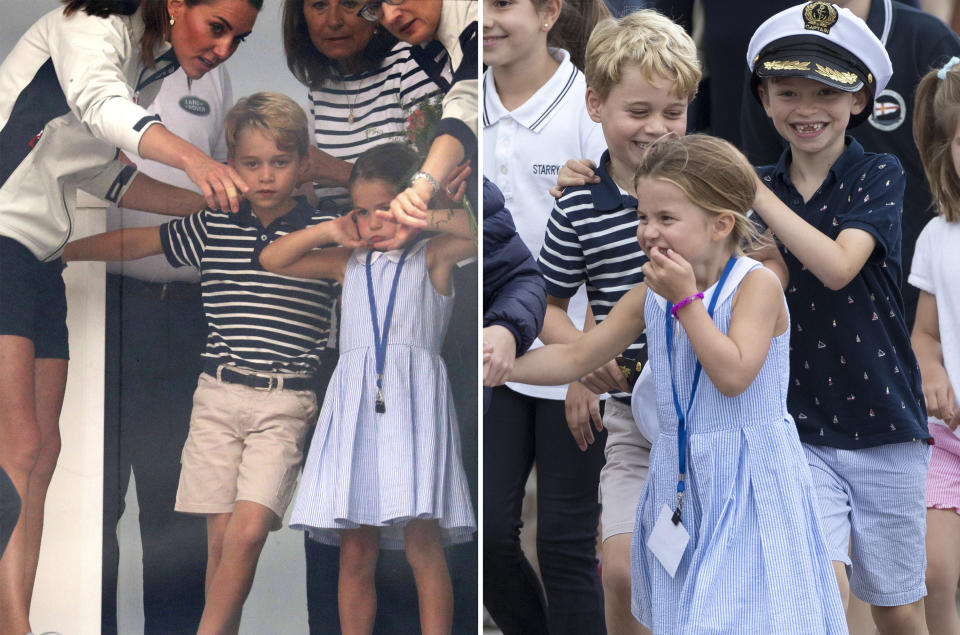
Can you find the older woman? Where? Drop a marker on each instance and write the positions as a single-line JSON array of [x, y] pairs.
[[72, 92], [453, 23], [363, 86]]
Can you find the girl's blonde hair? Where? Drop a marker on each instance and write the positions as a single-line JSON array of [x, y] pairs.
[[659, 47], [711, 172], [935, 117]]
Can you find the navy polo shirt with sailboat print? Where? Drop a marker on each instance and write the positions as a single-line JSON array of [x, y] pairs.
[[854, 380]]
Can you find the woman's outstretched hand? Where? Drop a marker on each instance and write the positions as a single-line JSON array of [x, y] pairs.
[[222, 187]]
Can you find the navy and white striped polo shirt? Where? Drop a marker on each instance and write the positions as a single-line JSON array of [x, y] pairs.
[[591, 239], [256, 320]]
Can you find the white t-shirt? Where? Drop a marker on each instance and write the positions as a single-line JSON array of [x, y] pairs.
[[936, 262], [524, 149], [194, 111]]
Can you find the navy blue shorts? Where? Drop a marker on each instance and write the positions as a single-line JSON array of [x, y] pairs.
[[33, 300]]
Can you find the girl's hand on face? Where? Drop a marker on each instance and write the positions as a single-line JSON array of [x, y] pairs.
[[574, 172], [453, 189], [345, 232], [399, 216], [400, 238], [668, 274]]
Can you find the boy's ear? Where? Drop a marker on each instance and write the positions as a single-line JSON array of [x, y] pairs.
[[764, 98], [593, 104], [859, 102]]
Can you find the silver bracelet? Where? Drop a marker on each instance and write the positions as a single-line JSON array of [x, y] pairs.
[[434, 184]]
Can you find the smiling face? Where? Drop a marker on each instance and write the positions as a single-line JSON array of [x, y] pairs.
[[513, 30], [270, 171], [206, 34], [636, 113], [670, 220], [370, 195], [413, 21], [336, 30], [811, 116]]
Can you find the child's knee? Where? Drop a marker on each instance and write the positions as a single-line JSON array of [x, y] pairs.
[[906, 618], [423, 546], [359, 551]]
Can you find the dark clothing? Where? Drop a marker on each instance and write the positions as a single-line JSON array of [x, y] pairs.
[[854, 381], [916, 42], [9, 509], [513, 291], [155, 334], [33, 300], [516, 429]]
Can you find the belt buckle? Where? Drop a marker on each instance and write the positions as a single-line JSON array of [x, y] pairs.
[[273, 382]]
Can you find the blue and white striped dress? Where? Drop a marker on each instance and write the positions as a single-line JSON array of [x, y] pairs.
[[365, 468], [757, 561]]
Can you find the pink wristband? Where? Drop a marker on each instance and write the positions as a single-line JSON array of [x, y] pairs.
[[684, 302]]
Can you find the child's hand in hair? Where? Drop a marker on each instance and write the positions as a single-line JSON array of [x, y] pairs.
[[453, 189], [344, 232], [573, 173], [668, 274]]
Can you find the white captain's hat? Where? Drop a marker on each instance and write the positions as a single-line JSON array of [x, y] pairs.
[[822, 42]]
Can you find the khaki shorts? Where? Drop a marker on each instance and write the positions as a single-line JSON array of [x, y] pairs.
[[627, 453], [244, 444]]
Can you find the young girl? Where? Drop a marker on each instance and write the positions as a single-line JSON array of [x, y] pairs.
[[533, 112], [935, 337], [384, 466], [728, 466]]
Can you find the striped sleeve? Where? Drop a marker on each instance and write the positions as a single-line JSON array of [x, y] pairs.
[[561, 258], [184, 239]]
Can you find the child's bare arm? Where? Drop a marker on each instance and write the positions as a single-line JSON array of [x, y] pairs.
[[937, 390], [731, 360], [296, 254], [556, 364], [834, 262], [121, 244]]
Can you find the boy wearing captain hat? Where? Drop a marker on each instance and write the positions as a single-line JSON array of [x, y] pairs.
[[854, 388]]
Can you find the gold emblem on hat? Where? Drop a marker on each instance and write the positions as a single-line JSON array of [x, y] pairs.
[[819, 16], [835, 75], [786, 65]]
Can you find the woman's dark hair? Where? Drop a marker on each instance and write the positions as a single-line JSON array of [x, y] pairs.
[[156, 19], [392, 163], [311, 67]]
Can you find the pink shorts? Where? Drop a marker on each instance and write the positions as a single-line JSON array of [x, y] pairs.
[[943, 475]]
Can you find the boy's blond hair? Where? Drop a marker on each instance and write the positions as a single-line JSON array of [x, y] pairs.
[[281, 118], [659, 47], [711, 172]]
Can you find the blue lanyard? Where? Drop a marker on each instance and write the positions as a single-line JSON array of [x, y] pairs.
[[682, 414], [380, 340]]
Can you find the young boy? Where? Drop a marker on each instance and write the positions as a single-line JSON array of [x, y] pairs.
[[255, 400], [855, 388], [642, 72]]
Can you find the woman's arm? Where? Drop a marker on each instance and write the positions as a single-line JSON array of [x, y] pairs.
[[150, 195], [556, 364], [937, 390], [121, 244], [297, 253], [220, 183]]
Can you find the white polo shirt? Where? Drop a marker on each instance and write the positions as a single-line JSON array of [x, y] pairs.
[[523, 151]]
